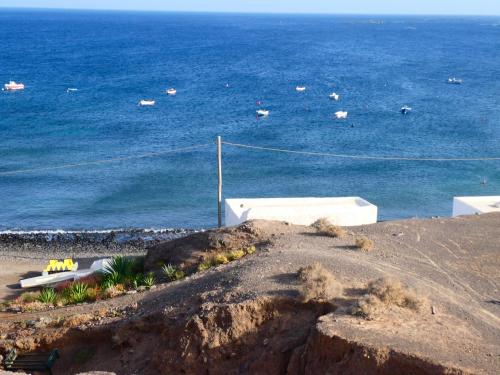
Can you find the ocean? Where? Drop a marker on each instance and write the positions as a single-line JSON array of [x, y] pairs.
[[222, 65]]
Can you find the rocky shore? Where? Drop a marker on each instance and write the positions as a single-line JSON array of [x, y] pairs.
[[60, 244]]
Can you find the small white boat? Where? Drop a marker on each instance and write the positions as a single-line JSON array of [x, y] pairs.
[[171, 91], [341, 114], [334, 96], [71, 90], [300, 88], [262, 113], [405, 109], [13, 86], [454, 81], [146, 103]]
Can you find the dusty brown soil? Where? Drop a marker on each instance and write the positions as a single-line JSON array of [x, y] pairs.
[[247, 318]]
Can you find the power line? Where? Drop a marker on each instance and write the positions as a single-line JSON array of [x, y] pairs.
[[105, 161], [359, 157]]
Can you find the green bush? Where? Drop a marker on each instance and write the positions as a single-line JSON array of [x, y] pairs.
[[48, 296], [235, 255], [206, 264], [250, 250], [220, 259], [179, 275]]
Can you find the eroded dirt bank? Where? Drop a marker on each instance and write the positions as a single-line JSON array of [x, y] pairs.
[[261, 336]]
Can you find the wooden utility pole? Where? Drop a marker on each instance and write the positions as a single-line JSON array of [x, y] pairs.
[[219, 165]]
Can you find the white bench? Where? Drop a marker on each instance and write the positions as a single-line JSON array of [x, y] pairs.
[[475, 205], [343, 211]]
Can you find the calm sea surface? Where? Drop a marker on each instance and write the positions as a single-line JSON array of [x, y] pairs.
[[377, 65]]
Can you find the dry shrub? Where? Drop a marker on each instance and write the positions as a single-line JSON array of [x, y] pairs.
[[77, 320], [318, 284], [114, 291], [385, 292], [364, 244], [392, 292], [34, 307], [326, 228], [28, 297]]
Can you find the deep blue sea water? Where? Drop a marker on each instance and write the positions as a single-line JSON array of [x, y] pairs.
[[377, 64]]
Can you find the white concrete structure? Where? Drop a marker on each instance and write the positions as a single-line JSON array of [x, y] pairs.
[[475, 205], [343, 211], [97, 266]]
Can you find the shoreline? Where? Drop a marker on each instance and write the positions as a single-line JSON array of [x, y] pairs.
[[67, 244]]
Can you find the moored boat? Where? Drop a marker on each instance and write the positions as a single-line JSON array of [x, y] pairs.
[[147, 103], [13, 86], [300, 88], [455, 81], [341, 114], [171, 91], [405, 110], [334, 96], [262, 113]]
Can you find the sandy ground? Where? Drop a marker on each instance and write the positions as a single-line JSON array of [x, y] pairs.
[[12, 270], [454, 263]]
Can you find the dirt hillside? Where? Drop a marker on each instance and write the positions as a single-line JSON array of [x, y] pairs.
[[249, 316]]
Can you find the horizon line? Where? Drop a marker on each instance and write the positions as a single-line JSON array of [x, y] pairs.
[[249, 13]]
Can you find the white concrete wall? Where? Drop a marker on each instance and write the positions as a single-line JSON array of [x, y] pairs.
[[475, 205], [343, 211]]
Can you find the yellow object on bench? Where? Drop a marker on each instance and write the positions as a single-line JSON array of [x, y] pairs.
[[60, 266]]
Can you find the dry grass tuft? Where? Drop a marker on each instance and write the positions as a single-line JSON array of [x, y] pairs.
[[114, 291], [318, 284], [77, 320], [385, 292], [392, 292], [326, 228], [364, 243]]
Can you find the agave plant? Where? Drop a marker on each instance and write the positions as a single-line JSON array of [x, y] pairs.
[[120, 270], [78, 292], [48, 296], [137, 281], [110, 279], [149, 280], [169, 271]]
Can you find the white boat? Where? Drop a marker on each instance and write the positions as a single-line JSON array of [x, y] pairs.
[[171, 91], [454, 81], [334, 96], [71, 90], [12, 86], [405, 109], [145, 103], [341, 114], [300, 88], [262, 113]]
